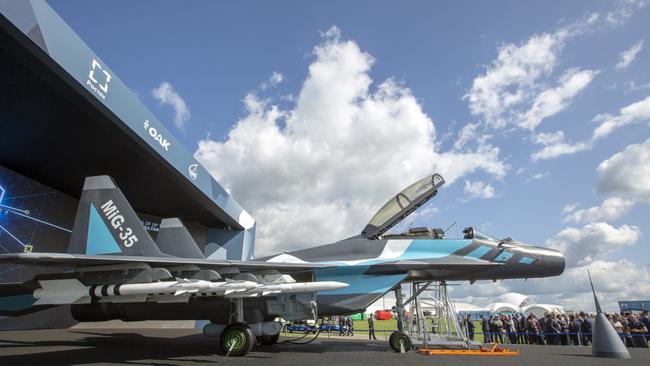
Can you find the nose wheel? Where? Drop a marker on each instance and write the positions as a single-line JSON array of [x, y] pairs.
[[237, 340], [400, 342]]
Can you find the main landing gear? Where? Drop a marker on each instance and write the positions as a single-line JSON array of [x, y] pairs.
[[237, 340]]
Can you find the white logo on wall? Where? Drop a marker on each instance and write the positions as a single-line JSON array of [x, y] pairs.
[[157, 136], [192, 169], [98, 79]]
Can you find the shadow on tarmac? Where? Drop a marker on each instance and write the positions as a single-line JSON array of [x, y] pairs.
[[134, 348]]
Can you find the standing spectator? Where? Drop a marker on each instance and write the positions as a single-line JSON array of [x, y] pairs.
[[556, 330], [349, 324], [469, 324], [521, 329], [618, 326], [564, 330], [371, 328], [531, 327], [485, 327], [586, 329], [545, 325], [574, 330], [645, 319], [637, 330], [496, 326], [341, 325], [511, 329]]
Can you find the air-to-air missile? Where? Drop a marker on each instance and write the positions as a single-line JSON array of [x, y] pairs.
[[68, 291]]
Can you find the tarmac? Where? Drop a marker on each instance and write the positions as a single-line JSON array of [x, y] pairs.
[[189, 347]]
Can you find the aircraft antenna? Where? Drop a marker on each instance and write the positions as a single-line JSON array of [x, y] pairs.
[[450, 226]]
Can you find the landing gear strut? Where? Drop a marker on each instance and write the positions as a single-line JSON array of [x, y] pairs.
[[400, 341]]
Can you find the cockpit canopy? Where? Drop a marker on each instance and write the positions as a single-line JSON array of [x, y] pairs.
[[402, 205]]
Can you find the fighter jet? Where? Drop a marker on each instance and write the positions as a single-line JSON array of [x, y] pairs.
[[114, 270]]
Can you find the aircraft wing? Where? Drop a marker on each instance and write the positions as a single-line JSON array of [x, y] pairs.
[[81, 260]]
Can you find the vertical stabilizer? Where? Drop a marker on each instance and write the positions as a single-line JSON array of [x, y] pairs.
[[106, 224], [174, 239], [605, 341]]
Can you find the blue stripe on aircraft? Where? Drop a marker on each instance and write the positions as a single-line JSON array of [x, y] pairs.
[[478, 252], [99, 240], [16, 302], [418, 249], [356, 279], [503, 257], [526, 260]]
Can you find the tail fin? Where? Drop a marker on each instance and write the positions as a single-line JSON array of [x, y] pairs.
[[106, 223], [174, 239]]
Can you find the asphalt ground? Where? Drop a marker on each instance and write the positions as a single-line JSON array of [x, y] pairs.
[[189, 347]]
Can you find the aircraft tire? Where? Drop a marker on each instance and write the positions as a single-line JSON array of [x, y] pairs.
[[400, 337], [268, 340], [237, 340]]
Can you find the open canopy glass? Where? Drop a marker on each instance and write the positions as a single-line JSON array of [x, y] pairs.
[[403, 204]]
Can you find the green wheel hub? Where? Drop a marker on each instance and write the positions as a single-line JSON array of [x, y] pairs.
[[236, 340]]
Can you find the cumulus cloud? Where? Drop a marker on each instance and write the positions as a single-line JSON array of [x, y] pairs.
[[478, 189], [508, 81], [627, 56], [554, 100], [626, 173], [556, 145], [582, 246], [633, 113], [166, 95], [611, 208], [317, 171], [515, 87]]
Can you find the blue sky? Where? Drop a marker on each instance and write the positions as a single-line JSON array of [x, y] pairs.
[[442, 60]]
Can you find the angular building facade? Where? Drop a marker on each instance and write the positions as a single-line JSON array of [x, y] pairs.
[[65, 115]]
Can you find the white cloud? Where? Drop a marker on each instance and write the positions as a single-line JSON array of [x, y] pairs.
[[514, 88], [555, 145], [633, 113], [627, 56], [466, 134], [611, 208], [166, 95], [316, 172], [275, 79], [478, 189], [537, 176], [627, 172], [554, 100], [511, 77], [568, 208], [582, 246], [624, 10]]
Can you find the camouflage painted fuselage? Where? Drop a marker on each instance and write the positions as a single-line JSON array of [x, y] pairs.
[[374, 267]]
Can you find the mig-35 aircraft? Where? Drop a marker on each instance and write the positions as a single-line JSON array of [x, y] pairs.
[[114, 270]]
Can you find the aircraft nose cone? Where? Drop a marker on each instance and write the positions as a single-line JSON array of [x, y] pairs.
[[551, 261]]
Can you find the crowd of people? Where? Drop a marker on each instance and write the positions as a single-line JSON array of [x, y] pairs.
[[346, 326], [558, 329]]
